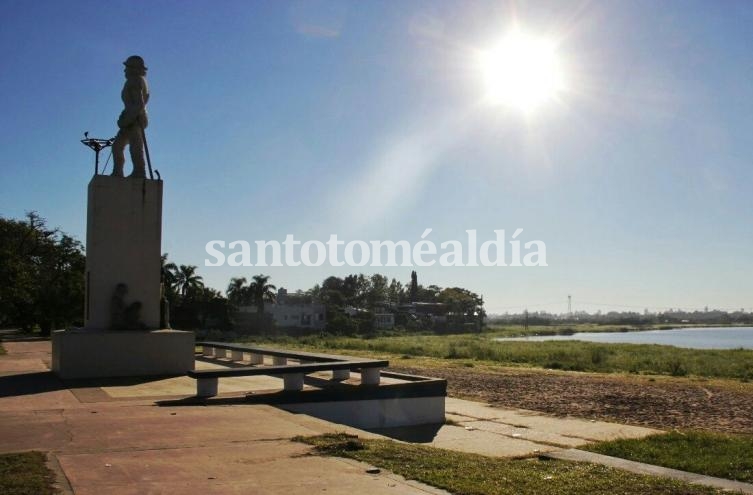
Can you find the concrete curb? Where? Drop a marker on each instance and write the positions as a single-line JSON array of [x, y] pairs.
[[641, 468], [61, 483]]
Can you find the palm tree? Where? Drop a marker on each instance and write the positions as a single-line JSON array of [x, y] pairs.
[[237, 292], [187, 280], [261, 292], [169, 274]]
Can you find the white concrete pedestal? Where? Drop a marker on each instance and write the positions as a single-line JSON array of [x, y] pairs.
[[123, 245], [99, 354]]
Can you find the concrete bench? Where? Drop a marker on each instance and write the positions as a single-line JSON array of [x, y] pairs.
[[207, 381], [279, 356], [219, 349]]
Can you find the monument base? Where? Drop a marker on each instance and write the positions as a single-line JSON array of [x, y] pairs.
[[102, 353]]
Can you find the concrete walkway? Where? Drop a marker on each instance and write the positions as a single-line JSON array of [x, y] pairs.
[[483, 429]]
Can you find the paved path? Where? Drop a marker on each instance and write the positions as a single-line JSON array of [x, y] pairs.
[[487, 430], [120, 447]]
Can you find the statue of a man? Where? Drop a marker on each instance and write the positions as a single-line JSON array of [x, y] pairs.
[[132, 120]]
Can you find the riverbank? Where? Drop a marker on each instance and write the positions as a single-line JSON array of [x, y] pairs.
[[507, 330], [689, 338], [559, 355], [658, 400]]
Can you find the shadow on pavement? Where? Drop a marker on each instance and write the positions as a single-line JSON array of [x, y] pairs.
[[412, 434], [16, 335], [46, 381], [30, 383]]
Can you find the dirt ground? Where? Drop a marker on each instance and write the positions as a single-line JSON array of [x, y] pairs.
[[659, 403]]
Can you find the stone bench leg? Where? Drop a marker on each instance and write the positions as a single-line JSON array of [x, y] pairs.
[[220, 353], [293, 382], [207, 351], [279, 360], [236, 355], [257, 358], [340, 375], [370, 376], [207, 387]]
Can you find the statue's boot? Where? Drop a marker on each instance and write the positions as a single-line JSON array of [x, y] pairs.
[[138, 174]]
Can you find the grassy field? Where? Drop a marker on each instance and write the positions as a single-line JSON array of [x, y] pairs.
[[713, 454], [559, 355], [471, 474], [25, 474]]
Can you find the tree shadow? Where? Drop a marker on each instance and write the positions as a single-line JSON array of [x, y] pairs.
[[40, 382]]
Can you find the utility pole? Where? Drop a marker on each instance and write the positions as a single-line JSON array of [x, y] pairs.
[[570, 305]]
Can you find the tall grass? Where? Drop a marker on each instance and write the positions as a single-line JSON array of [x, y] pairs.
[[561, 355]]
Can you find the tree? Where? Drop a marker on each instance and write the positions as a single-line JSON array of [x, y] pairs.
[[202, 307], [463, 305], [331, 293], [169, 279], [210, 307], [169, 272], [61, 288], [42, 273], [261, 291], [187, 280], [378, 290], [395, 292], [413, 286], [428, 294], [237, 292]]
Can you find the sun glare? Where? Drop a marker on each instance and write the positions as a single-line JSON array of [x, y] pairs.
[[521, 71]]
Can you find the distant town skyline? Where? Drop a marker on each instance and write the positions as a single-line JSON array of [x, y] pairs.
[[375, 120]]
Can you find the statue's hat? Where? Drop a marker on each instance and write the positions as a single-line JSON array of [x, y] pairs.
[[135, 61]]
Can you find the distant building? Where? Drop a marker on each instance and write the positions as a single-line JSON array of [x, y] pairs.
[[435, 312], [290, 311], [384, 321]]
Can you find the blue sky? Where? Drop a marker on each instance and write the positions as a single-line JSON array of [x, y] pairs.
[[365, 120]]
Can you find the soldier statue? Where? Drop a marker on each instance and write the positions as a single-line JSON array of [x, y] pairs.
[[132, 120]]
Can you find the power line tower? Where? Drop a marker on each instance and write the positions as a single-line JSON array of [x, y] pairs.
[[570, 305]]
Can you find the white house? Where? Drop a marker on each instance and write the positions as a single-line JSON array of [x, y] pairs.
[[291, 313]]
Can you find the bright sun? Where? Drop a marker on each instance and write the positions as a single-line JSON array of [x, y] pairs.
[[522, 71]]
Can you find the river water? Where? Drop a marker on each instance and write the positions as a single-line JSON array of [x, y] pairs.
[[693, 338]]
